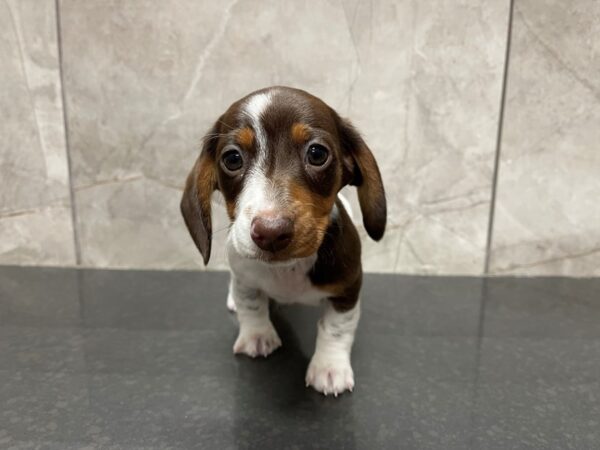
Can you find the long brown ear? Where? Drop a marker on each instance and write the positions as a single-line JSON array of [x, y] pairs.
[[362, 172], [195, 202]]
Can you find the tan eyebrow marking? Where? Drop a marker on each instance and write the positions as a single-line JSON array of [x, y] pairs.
[[245, 137], [300, 133]]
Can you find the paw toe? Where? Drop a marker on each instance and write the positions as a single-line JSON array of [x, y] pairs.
[[330, 378], [260, 343]]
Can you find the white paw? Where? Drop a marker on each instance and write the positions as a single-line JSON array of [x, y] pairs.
[[257, 342], [330, 376], [231, 303]]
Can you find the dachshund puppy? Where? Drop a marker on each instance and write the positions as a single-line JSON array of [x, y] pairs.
[[280, 156]]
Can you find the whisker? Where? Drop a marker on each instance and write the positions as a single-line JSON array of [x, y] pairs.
[[215, 135], [226, 125], [220, 230]]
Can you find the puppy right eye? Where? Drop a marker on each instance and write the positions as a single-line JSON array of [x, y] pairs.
[[232, 160], [317, 155]]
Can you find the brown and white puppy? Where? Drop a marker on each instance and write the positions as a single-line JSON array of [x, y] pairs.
[[280, 157]]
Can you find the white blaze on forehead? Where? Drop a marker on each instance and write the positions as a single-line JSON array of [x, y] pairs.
[[257, 104], [254, 109], [257, 193]]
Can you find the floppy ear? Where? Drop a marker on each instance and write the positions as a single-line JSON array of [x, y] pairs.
[[195, 202], [362, 172]]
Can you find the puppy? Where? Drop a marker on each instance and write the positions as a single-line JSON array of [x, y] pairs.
[[280, 156]]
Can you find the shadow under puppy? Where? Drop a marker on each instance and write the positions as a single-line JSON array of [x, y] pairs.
[[280, 156]]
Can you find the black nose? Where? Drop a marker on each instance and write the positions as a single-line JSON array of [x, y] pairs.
[[272, 233]]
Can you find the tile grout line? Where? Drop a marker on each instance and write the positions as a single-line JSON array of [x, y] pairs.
[[490, 230], [66, 131]]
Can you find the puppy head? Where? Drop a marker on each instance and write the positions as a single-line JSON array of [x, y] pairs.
[[280, 156]]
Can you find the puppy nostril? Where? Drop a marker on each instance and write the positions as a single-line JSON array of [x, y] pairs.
[[284, 237]]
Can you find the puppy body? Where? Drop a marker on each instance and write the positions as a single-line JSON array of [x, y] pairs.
[[280, 157]]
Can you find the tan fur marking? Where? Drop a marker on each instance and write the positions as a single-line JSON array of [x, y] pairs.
[[245, 137], [312, 219], [300, 133], [335, 289], [230, 206], [206, 182]]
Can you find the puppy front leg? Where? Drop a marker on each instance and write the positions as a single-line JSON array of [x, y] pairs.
[[329, 370], [257, 335]]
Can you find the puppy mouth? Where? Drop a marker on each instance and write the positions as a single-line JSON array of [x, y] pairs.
[[272, 258]]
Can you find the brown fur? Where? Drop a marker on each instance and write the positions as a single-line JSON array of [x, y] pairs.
[[338, 269], [366, 177], [195, 202]]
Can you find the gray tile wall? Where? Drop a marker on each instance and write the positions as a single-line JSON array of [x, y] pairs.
[[547, 216], [35, 206], [423, 81]]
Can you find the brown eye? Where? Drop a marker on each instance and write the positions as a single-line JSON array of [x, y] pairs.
[[317, 155], [232, 160]]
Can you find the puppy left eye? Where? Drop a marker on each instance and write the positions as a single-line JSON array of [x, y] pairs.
[[232, 160], [317, 155]]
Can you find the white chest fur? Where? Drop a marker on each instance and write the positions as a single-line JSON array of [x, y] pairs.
[[285, 284]]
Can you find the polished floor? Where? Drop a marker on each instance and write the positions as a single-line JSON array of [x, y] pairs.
[[143, 360]]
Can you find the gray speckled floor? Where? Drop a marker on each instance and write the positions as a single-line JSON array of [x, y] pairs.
[[142, 360]]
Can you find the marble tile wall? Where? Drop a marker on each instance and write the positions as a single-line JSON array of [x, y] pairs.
[[422, 80], [426, 91], [423, 84], [35, 206], [547, 218]]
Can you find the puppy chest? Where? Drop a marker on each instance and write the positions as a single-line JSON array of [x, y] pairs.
[[290, 286]]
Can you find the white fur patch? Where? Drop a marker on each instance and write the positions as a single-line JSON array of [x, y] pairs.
[[286, 282], [329, 370], [254, 109], [257, 336]]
